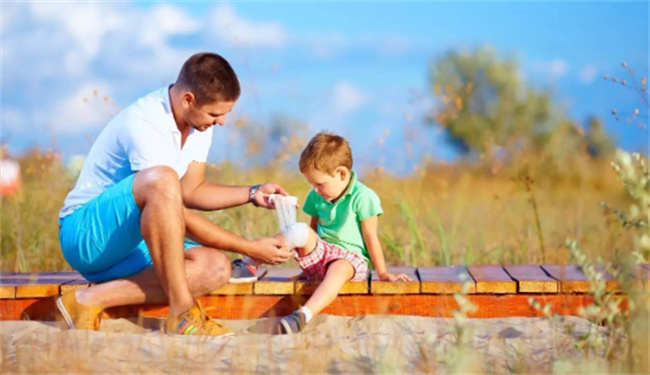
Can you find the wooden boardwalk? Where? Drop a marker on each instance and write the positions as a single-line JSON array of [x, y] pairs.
[[498, 291]]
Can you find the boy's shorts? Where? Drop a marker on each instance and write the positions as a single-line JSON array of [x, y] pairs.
[[102, 239], [315, 264]]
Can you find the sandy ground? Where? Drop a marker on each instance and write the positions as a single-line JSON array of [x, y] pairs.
[[329, 344]]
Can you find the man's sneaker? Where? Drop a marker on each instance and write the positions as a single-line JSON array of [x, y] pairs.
[[196, 322], [293, 323], [76, 315], [243, 272]]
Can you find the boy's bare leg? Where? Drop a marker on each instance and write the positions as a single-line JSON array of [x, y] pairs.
[[338, 273]]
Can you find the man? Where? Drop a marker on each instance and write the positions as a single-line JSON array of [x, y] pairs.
[[125, 222]]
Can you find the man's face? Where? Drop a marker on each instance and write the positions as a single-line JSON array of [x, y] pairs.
[[330, 187], [202, 117]]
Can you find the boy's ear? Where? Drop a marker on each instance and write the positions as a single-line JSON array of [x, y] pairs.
[[343, 172]]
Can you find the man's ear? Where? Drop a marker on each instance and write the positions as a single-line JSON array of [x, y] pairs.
[[188, 98]]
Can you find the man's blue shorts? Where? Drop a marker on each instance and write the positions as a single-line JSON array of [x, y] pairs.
[[102, 239]]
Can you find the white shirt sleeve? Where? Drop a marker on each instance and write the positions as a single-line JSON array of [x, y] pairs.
[[146, 146]]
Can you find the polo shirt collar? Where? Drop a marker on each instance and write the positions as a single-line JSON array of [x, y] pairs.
[[167, 105], [349, 190]]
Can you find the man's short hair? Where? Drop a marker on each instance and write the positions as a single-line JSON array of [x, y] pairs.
[[326, 152], [210, 78]]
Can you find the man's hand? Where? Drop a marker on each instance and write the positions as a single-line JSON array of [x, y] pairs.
[[262, 194], [270, 250], [393, 278]]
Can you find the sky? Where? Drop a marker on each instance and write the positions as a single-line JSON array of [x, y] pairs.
[[359, 69]]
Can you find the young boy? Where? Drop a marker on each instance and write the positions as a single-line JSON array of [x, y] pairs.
[[342, 234]]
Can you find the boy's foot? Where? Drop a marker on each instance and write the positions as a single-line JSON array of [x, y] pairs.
[[196, 322], [293, 323], [243, 272], [77, 315]]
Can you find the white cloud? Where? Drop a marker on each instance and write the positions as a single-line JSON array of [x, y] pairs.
[[588, 74], [347, 97], [88, 107], [553, 69], [232, 29]]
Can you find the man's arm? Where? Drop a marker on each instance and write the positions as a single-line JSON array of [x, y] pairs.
[[207, 196]]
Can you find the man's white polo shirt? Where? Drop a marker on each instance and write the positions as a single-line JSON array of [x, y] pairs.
[[141, 136]]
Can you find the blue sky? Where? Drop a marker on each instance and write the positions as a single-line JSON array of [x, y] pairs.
[[360, 69]]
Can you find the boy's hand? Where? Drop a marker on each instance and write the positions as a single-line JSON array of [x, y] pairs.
[[263, 193], [393, 278]]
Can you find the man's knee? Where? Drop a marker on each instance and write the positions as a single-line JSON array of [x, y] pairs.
[[158, 181], [215, 268]]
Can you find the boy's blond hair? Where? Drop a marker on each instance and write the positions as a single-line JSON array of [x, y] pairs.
[[326, 152]]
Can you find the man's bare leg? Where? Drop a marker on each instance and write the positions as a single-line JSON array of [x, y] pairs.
[[157, 192], [206, 270]]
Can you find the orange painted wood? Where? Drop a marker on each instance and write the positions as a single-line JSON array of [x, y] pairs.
[[492, 279], [532, 279], [232, 306], [401, 287], [277, 281], [570, 276], [445, 280]]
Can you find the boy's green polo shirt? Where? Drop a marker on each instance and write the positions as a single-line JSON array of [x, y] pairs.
[[339, 223]]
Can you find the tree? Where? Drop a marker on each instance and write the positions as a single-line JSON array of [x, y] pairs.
[[484, 104]]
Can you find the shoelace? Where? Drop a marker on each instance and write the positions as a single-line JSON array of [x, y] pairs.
[[208, 322]]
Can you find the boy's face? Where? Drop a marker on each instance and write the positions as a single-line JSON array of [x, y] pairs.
[[330, 187]]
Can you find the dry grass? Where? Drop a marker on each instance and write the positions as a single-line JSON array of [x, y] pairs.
[[443, 214]]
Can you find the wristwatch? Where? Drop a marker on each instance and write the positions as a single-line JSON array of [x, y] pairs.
[[251, 195]]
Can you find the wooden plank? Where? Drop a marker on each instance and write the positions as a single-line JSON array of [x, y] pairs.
[[78, 283], [257, 306], [307, 287], [532, 279], [36, 275], [611, 284], [445, 280], [432, 305], [7, 290], [37, 284], [571, 278], [492, 279], [234, 289], [402, 287], [277, 281]]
